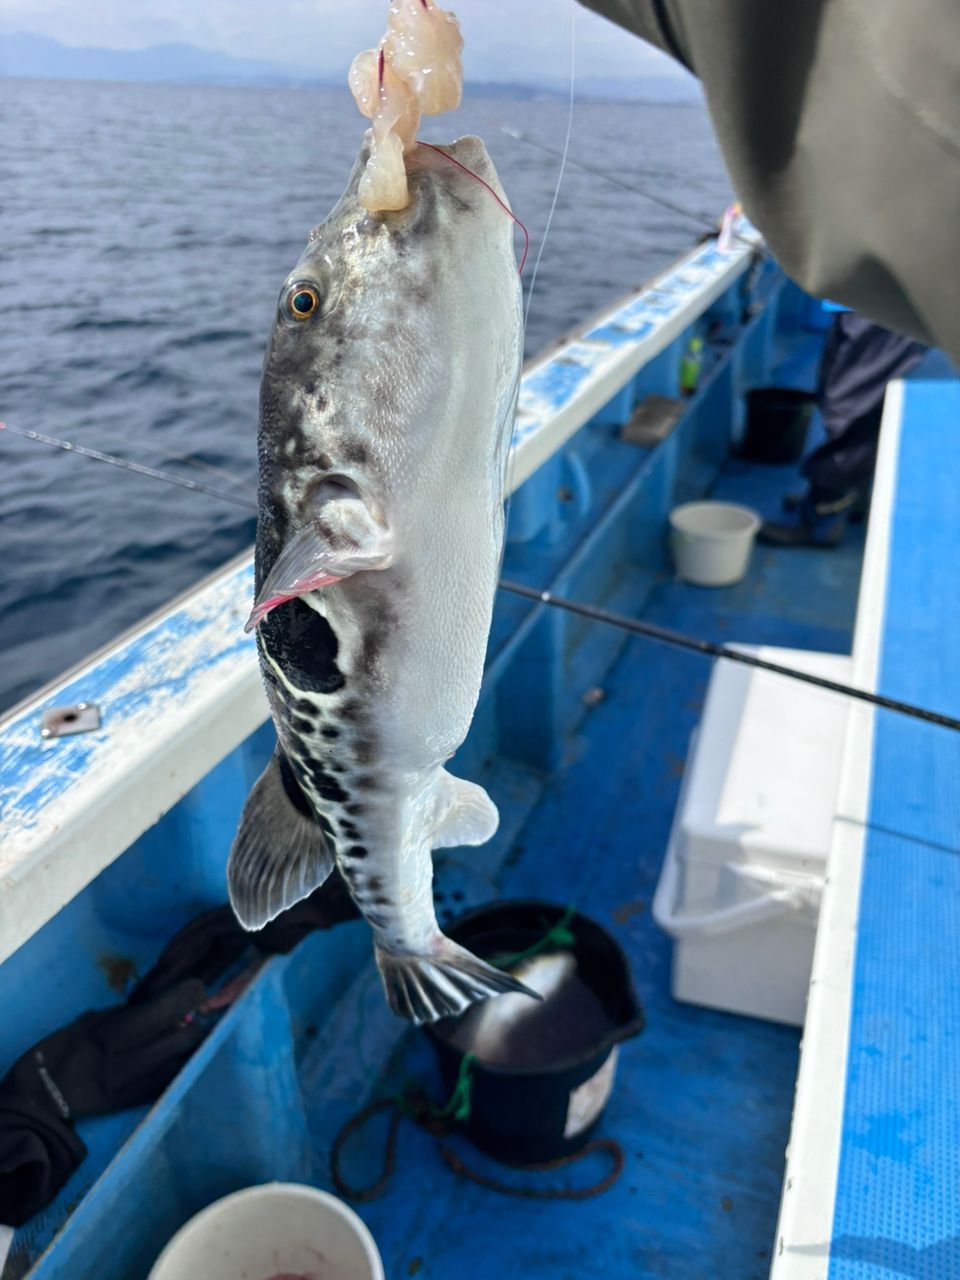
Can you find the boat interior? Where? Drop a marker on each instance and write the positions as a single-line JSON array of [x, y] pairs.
[[115, 840]]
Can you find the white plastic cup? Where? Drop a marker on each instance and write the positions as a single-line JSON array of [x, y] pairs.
[[278, 1229], [711, 542]]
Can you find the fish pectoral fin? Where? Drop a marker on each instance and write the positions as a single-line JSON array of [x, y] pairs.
[[279, 856], [470, 817], [342, 539], [442, 982]]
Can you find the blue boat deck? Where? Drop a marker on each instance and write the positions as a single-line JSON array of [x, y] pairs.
[[702, 1101]]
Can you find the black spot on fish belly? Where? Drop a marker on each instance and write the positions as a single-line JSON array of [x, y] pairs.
[[294, 793], [326, 787], [303, 645], [357, 851]]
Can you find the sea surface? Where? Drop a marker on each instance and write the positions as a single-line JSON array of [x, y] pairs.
[[144, 234]]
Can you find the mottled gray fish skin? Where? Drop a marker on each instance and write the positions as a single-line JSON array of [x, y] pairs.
[[385, 423]]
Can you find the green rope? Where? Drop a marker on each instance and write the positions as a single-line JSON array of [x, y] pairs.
[[412, 1101], [458, 1108], [559, 938]]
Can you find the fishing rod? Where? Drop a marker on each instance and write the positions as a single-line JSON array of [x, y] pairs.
[[680, 640], [633, 626]]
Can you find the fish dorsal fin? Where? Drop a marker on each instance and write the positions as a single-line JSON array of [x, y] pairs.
[[343, 538], [467, 815], [280, 854]]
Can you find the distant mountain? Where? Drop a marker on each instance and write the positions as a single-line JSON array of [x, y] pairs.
[[24, 54], [29, 55]]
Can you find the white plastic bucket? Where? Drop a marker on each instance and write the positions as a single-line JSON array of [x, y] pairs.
[[711, 541], [279, 1229]]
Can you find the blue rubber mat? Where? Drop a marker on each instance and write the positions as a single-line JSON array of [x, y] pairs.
[[898, 1192]]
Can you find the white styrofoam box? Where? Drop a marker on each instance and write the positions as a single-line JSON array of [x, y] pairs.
[[741, 882]]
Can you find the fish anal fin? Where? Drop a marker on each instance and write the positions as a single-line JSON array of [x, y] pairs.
[[469, 815], [279, 856]]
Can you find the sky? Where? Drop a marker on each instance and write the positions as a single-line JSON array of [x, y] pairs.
[[526, 40]]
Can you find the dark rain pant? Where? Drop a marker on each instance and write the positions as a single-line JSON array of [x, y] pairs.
[[859, 359]]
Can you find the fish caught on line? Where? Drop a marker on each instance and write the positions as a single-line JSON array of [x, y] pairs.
[[387, 402]]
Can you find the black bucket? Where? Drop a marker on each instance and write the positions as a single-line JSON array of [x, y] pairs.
[[777, 423], [547, 1100]]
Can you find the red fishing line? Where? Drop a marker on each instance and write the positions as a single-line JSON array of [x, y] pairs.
[[505, 207]]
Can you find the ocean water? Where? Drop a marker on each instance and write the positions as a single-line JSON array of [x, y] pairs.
[[144, 234]]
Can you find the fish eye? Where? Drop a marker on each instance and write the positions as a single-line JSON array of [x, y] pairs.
[[303, 301]]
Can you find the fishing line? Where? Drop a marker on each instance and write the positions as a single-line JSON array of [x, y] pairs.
[[125, 464], [563, 164], [702, 220], [504, 206], [633, 626], [511, 455], [171, 455]]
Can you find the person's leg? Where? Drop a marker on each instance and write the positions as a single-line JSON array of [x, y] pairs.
[[858, 360], [845, 462], [839, 473]]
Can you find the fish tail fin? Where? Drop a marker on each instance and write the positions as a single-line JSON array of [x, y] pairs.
[[280, 854], [441, 983]]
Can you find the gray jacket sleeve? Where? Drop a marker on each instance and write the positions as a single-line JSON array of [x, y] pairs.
[[839, 121]]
